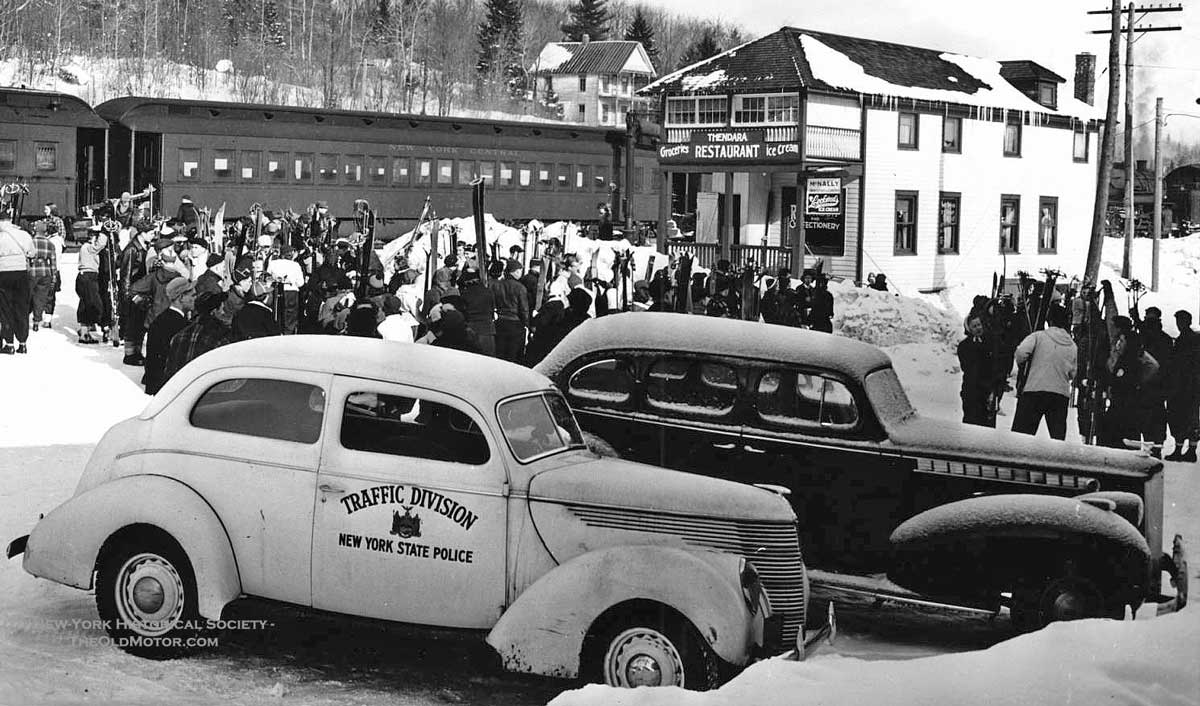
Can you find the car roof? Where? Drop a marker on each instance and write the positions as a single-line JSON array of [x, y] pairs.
[[478, 379], [657, 331]]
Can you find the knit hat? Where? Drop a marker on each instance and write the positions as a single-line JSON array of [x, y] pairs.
[[514, 265]]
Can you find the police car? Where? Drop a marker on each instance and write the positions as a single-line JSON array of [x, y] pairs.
[[421, 485]]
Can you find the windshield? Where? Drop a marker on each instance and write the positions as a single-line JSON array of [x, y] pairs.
[[887, 396], [538, 425]]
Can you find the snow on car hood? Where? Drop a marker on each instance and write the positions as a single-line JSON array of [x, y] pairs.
[[918, 435]]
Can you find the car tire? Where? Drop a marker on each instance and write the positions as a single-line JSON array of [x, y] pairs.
[[648, 650], [146, 597], [1062, 598]]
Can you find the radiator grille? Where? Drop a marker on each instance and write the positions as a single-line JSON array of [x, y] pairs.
[[774, 549]]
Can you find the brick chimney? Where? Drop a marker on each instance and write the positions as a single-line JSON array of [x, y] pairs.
[[587, 38], [1085, 78]]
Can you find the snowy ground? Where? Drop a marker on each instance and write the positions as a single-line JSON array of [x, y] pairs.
[[62, 397]]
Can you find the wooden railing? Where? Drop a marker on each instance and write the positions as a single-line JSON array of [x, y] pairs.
[[768, 257], [832, 142]]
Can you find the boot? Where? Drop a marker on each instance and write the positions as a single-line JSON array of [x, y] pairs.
[[6, 349], [1189, 456], [22, 349], [1177, 453], [35, 326]]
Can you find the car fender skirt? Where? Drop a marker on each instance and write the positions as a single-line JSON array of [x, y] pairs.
[[543, 631], [1007, 534], [66, 543]]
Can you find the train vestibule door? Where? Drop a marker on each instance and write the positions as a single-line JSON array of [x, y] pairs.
[[147, 167]]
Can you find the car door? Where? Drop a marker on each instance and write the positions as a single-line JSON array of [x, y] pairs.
[[411, 510], [807, 431], [603, 392], [693, 404], [248, 441]]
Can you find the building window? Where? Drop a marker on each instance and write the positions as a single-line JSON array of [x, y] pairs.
[[771, 110], [582, 112], [1048, 95], [445, 171], [952, 134], [948, 219], [223, 164], [1081, 143], [189, 163], [1048, 224], [750, 109], [401, 171], [582, 82], [302, 168], [1012, 139], [712, 111], [907, 137], [605, 83], [605, 114], [45, 157], [8, 155], [625, 85], [906, 223], [277, 166], [1010, 223], [251, 163]]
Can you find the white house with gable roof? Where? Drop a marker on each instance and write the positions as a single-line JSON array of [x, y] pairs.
[[596, 82]]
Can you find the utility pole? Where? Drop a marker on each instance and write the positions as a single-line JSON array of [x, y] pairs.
[[1108, 144], [1130, 172], [1158, 195]]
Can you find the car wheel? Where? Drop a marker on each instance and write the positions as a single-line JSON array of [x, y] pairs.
[[649, 652], [1060, 599], [146, 597]]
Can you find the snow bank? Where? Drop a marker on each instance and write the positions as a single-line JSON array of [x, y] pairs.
[[887, 319]]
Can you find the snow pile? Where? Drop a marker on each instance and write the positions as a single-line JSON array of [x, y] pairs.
[[553, 55], [1084, 662], [695, 83], [885, 319]]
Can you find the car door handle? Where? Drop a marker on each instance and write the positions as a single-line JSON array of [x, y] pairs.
[[330, 488], [753, 449], [724, 447]]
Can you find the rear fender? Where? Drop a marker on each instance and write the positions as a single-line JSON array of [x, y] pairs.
[[65, 545], [543, 631]]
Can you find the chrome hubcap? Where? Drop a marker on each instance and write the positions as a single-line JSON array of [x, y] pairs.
[[642, 657], [149, 595]]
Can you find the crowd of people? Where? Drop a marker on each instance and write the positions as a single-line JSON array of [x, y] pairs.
[[1130, 381]]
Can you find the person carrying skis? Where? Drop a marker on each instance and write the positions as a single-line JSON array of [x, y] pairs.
[[1051, 356]]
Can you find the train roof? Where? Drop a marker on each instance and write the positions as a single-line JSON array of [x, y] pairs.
[[153, 114], [25, 105]]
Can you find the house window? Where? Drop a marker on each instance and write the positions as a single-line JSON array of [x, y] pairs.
[[625, 85], [302, 168], [1048, 224], [774, 109], [952, 135], [1048, 95], [189, 163], [750, 109], [681, 111], [8, 155], [1010, 223], [549, 84], [582, 112], [605, 83], [45, 157], [1012, 140], [783, 109], [605, 114], [277, 166], [582, 82], [1081, 143], [948, 219], [907, 137], [401, 171], [906, 223], [712, 111], [251, 163]]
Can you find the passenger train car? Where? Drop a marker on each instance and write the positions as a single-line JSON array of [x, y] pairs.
[[289, 157]]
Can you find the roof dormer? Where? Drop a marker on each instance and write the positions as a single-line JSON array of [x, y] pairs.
[[1034, 80]]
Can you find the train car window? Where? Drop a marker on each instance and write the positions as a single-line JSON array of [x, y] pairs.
[[302, 168], [352, 169], [424, 172], [223, 164], [46, 157], [600, 180], [8, 155], [581, 178], [251, 164], [277, 166], [445, 171], [526, 175], [487, 170], [327, 167], [466, 172], [564, 176], [543, 176], [378, 173], [401, 171], [189, 164], [506, 174]]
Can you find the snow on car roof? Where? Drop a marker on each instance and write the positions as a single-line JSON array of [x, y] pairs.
[[725, 337], [475, 378]]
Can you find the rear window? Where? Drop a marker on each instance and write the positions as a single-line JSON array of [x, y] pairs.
[[271, 409], [538, 425], [804, 400], [691, 388]]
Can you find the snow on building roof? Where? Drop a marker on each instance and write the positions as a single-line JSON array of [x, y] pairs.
[[598, 57], [1024, 69], [793, 58]]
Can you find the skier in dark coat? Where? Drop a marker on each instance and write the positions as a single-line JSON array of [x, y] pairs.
[[820, 312], [1152, 420], [977, 359], [256, 319], [1183, 397], [480, 309], [182, 295], [452, 332], [547, 331]]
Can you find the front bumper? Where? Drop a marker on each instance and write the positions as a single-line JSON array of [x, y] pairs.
[[808, 642], [1176, 567]]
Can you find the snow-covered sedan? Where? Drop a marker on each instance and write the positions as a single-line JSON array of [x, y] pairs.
[[891, 504], [420, 485]]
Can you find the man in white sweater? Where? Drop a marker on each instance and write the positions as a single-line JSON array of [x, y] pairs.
[[16, 247], [1051, 355]]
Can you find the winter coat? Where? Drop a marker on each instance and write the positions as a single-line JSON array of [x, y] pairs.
[[154, 287], [158, 348], [512, 301], [1184, 368], [16, 247], [1052, 358], [977, 359], [481, 308], [255, 320]]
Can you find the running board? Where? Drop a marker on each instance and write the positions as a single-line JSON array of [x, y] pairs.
[[881, 589]]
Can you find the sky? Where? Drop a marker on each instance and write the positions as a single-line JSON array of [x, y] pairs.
[[1049, 32]]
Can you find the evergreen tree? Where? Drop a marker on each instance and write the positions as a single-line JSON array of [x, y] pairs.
[[381, 20], [704, 48], [272, 27], [641, 31], [588, 17], [500, 36]]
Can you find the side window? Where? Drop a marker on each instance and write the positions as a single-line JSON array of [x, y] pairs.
[[8, 155], [189, 164], [251, 164], [45, 157], [608, 383], [408, 426], [691, 388], [272, 409], [277, 166], [223, 164], [803, 400]]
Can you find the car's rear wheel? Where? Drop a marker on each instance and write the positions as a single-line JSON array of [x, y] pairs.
[[650, 650], [146, 596]]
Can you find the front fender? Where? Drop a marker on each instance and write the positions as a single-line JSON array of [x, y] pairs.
[[65, 544], [542, 632]]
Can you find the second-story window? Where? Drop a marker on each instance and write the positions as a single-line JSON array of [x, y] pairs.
[[952, 134], [582, 82], [750, 109], [681, 111], [783, 109], [907, 137], [712, 111], [1048, 94], [1012, 139]]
